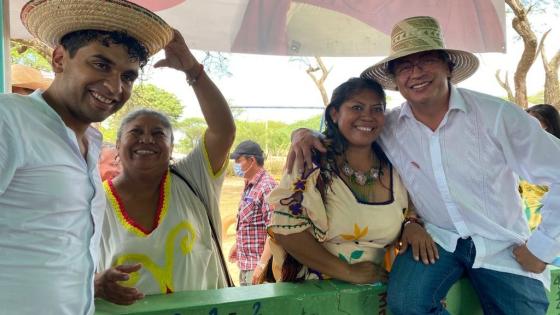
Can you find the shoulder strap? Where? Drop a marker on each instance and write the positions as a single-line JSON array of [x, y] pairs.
[[173, 170]]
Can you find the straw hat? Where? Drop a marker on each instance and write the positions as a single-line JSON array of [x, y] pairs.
[[29, 78], [417, 34], [50, 20]]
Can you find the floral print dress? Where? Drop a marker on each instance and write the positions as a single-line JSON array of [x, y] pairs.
[[351, 230]]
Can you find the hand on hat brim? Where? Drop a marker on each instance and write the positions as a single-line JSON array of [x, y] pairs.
[[177, 54]]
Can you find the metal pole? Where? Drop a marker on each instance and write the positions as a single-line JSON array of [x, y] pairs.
[[5, 47]]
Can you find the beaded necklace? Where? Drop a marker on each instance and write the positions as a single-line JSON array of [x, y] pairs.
[[361, 178]]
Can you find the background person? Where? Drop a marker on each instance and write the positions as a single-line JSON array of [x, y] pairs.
[[51, 196], [109, 163], [251, 250], [157, 234]]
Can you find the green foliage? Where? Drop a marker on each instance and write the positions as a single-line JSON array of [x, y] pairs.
[[273, 136], [144, 96], [30, 57], [191, 129], [537, 98]]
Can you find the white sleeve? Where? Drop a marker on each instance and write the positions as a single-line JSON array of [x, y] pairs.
[[534, 154]]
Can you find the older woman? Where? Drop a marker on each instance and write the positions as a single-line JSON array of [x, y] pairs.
[[158, 229]]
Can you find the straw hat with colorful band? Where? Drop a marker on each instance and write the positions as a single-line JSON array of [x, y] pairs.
[[414, 35], [50, 20]]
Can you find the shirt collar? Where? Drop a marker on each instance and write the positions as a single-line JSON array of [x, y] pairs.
[[456, 102], [256, 177], [94, 136]]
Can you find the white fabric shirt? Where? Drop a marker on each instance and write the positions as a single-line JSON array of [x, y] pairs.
[[462, 177], [51, 210], [179, 254]]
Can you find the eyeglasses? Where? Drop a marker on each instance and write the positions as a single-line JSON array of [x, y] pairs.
[[406, 67]]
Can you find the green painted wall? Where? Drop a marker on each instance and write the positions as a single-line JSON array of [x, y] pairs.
[[310, 298]]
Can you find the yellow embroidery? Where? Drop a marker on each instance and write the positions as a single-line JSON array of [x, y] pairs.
[[119, 211], [358, 234], [163, 275]]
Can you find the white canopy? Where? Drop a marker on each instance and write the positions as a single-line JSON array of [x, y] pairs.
[[317, 27]]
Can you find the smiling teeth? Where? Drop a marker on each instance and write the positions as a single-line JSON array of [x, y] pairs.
[[364, 129], [419, 86], [101, 98], [144, 152]]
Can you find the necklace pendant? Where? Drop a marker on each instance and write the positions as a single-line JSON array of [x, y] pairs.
[[347, 170], [374, 173], [361, 179]]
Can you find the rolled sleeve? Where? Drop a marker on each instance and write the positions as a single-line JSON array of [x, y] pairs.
[[543, 246]]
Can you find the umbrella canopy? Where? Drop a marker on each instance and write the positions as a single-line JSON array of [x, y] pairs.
[[317, 27]]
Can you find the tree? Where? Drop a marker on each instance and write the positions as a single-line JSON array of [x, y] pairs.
[[551, 83], [191, 129], [318, 72], [31, 53], [522, 26], [144, 95]]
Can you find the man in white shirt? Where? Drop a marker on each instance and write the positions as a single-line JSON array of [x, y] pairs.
[[51, 197], [459, 153]]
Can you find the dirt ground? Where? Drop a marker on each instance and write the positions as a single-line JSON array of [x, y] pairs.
[[229, 201]]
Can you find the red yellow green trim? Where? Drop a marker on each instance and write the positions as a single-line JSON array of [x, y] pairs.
[[128, 222]]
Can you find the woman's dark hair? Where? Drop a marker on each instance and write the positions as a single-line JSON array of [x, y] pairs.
[[441, 54], [78, 39], [341, 94], [336, 144], [145, 112], [549, 115]]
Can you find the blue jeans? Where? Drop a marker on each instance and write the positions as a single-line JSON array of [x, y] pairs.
[[415, 288]]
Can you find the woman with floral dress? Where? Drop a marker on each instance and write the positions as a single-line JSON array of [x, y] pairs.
[[336, 218]]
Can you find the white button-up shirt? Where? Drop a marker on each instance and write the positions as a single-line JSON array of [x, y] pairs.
[[462, 177], [51, 210]]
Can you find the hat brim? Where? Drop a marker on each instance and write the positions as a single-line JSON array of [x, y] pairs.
[[43, 85], [465, 65], [50, 20], [234, 156]]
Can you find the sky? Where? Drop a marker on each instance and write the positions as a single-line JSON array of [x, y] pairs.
[[274, 81]]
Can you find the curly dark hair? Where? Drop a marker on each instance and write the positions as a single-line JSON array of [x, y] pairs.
[[335, 142], [78, 39]]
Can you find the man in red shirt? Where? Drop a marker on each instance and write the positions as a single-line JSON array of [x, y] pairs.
[[251, 249]]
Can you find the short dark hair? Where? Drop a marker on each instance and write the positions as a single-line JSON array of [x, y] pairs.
[[78, 39], [258, 159], [441, 54], [145, 112], [549, 115]]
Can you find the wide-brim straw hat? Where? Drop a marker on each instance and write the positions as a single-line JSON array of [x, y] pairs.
[[29, 78], [414, 35], [50, 20]]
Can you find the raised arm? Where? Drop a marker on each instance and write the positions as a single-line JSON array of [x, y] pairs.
[[221, 127]]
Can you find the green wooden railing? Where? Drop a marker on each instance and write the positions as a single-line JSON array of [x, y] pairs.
[[312, 297]]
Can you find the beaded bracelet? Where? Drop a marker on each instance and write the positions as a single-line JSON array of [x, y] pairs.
[[192, 80]]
